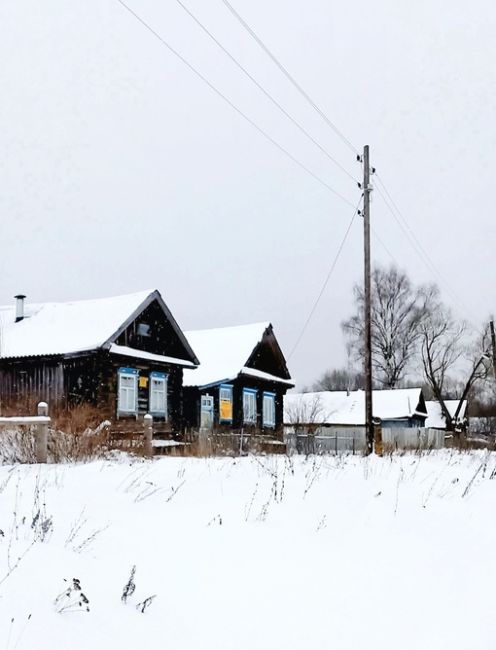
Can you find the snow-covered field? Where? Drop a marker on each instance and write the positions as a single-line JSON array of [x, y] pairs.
[[256, 553]]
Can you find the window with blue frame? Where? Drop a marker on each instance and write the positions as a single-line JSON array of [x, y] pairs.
[[249, 406], [269, 409], [127, 391], [158, 394], [225, 403]]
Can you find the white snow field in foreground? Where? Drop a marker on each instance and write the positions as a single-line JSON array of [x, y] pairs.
[[256, 553]]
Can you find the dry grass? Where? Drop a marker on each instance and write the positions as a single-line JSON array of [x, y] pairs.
[[17, 445], [77, 420], [76, 435]]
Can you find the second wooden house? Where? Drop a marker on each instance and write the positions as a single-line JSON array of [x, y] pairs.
[[241, 382]]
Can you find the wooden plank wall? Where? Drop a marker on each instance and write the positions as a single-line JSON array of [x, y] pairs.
[[24, 384]]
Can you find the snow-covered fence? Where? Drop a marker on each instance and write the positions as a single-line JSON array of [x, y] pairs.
[[413, 438], [41, 421], [327, 440], [352, 439]]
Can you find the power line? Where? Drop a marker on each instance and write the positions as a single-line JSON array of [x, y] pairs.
[[406, 231], [415, 243], [376, 236], [405, 223], [232, 105], [290, 78], [326, 281], [264, 91]]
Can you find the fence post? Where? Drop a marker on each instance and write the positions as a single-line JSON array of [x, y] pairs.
[[378, 447], [148, 424], [41, 435]]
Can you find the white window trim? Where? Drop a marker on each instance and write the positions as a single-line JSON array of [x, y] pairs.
[[127, 374], [162, 379], [250, 416], [272, 421]]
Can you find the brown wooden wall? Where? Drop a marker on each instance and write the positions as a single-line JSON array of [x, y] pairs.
[[85, 379], [107, 393], [25, 382]]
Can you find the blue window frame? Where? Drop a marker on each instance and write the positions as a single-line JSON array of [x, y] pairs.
[[127, 391], [225, 403], [269, 409], [249, 406], [158, 394]]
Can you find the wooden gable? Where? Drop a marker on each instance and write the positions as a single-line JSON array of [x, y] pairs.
[[268, 357], [421, 406], [153, 329]]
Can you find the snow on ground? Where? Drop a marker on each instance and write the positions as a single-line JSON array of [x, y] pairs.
[[252, 553]]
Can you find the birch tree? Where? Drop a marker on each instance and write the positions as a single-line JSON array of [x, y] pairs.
[[398, 309]]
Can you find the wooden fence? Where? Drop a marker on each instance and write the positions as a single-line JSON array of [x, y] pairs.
[[41, 423], [414, 438], [352, 440]]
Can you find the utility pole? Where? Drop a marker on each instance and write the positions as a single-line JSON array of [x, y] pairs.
[[493, 345], [369, 425]]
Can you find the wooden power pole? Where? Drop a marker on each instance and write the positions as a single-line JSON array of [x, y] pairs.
[[369, 425], [493, 345]]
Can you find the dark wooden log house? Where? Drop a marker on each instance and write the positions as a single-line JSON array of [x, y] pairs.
[[123, 355], [241, 382]]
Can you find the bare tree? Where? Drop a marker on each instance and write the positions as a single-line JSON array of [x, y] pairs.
[[339, 379], [305, 415], [397, 312], [443, 346]]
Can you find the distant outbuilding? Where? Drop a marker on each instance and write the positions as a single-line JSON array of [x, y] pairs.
[[435, 417], [404, 407]]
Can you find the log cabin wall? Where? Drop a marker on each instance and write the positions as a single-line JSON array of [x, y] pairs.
[[26, 381], [81, 379], [192, 405], [107, 399], [86, 379]]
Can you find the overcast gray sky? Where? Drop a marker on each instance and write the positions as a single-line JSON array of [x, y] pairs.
[[120, 170]]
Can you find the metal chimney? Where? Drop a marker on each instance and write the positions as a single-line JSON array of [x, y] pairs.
[[19, 307]]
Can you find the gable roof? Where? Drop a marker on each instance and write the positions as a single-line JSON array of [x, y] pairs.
[[60, 328], [341, 407], [224, 353], [435, 418]]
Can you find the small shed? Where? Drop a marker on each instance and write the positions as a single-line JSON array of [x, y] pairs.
[[241, 382], [396, 408], [124, 355], [435, 417]]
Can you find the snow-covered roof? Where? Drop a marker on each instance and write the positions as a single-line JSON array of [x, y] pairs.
[[67, 327], [126, 351], [260, 374], [224, 353], [341, 407], [435, 418]]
